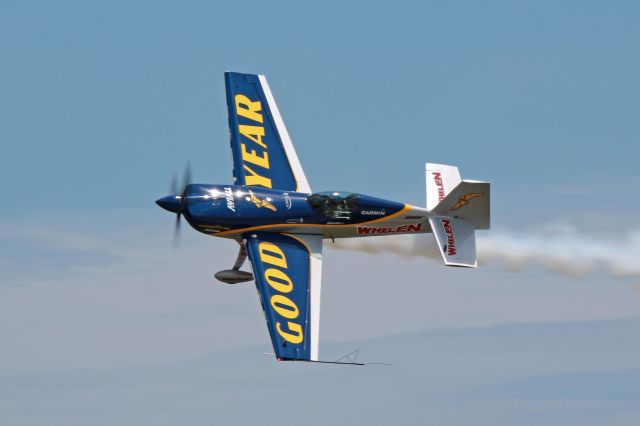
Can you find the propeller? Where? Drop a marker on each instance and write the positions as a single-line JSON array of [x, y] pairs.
[[180, 192]]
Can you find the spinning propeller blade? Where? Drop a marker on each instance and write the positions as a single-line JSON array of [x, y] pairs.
[[176, 202], [186, 177]]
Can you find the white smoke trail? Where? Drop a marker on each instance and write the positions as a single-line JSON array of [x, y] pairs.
[[565, 251]]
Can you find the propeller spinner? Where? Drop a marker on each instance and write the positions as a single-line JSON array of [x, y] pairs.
[[176, 203]]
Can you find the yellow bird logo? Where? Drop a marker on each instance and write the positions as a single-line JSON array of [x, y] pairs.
[[465, 199], [261, 203]]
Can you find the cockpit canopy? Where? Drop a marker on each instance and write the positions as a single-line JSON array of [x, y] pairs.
[[335, 204]]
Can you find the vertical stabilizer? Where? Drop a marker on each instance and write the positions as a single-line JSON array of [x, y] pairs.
[[441, 180]]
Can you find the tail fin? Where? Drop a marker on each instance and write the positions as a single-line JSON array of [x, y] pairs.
[[457, 208], [441, 179]]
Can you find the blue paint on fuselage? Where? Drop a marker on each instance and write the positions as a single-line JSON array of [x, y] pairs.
[[216, 208]]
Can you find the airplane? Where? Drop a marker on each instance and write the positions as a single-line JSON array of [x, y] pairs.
[[280, 223]]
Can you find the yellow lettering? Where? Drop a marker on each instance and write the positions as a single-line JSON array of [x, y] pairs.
[[278, 280], [284, 306], [248, 109], [254, 179], [289, 337], [254, 158], [272, 254], [254, 133]]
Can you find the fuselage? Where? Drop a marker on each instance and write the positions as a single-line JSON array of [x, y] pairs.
[[231, 210]]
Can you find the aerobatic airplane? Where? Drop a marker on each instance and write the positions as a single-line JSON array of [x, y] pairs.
[[280, 223]]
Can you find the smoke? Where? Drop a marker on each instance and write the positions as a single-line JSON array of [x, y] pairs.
[[563, 250]]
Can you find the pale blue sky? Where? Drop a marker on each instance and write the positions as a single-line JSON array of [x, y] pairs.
[[103, 323]]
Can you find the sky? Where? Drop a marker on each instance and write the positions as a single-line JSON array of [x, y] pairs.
[[103, 321]]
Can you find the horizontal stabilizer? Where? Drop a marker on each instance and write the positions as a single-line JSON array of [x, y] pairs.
[[470, 200], [456, 240]]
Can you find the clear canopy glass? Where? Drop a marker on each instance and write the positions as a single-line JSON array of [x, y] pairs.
[[335, 204]]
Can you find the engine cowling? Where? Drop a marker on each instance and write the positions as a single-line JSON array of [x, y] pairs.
[[233, 276]]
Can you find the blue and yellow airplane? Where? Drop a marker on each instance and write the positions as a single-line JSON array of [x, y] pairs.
[[280, 223]]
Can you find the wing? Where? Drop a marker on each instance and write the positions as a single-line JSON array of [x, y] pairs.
[[288, 274], [263, 154]]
